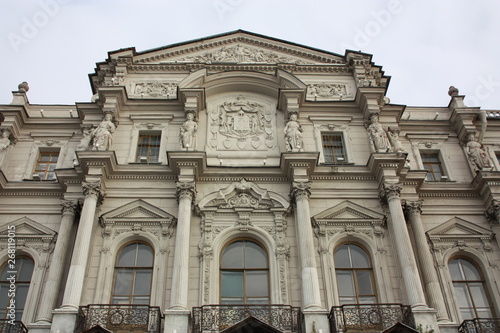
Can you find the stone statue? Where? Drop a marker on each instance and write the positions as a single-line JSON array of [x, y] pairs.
[[293, 135], [23, 86], [378, 136], [476, 154], [393, 135], [187, 134], [85, 140], [5, 143], [102, 134], [453, 91]]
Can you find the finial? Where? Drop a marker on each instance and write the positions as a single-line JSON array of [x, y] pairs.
[[23, 86], [453, 91]]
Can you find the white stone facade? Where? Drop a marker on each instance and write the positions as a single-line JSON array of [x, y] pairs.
[[239, 127]]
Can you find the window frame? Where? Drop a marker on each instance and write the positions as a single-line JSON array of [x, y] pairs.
[[45, 173], [150, 135], [18, 282], [143, 125], [432, 164], [354, 270], [466, 282], [244, 270], [134, 270], [336, 160]]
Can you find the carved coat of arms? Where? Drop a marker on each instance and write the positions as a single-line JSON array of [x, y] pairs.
[[241, 124]]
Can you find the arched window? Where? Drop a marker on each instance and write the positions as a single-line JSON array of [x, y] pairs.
[[22, 270], [133, 273], [244, 274], [470, 290], [354, 275]]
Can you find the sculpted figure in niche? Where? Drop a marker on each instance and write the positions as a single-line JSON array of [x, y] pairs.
[[102, 134], [378, 136], [476, 154], [187, 135], [5, 143], [393, 135], [293, 135]]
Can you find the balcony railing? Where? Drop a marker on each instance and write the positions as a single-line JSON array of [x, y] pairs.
[[114, 317], [368, 317], [480, 325], [6, 326], [215, 318]]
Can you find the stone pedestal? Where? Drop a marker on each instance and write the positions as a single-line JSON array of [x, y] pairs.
[[176, 321], [316, 321], [63, 321]]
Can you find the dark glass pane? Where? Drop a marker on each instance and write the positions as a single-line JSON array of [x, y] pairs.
[[142, 285], [255, 257], [126, 258], [41, 167], [365, 286], [232, 257], [231, 284], [341, 257], [256, 283], [470, 271], [144, 256], [24, 268], [123, 282], [21, 294], [345, 283], [4, 299], [44, 158], [455, 272], [359, 257]]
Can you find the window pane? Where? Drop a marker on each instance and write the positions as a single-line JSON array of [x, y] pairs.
[[347, 300], [463, 296], [256, 283], [365, 286], [233, 256], [123, 282], [467, 314], [470, 271], [367, 300], [144, 256], [24, 269], [359, 257], [255, 257], [484, 313], [345, 283], [257, 300], [142, 284], [479, 295], [141, 300], [126, 257], [238, 300], [342, 257], [120, 300], [455, 272], [231, 284]]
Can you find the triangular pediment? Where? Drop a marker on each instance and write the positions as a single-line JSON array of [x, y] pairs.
[[458, 227], [348, 211], [251, 325], [239, 47], [137, 211], [25, 227]]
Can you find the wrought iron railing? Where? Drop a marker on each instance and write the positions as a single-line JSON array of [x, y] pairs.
[[114, 317], [374, 317], [215, 318], [7, 326], [480, 325]]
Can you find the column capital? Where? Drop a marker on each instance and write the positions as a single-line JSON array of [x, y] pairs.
[[391, 191], [93, 189], [185, 189], [300, 190], [412, 207], [69, 206]]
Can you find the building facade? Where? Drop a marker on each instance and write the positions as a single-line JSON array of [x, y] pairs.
[[242, 183]]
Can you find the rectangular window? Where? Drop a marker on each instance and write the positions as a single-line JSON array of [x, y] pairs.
[[148, 148], [433, 166], [46, 165], [333, 148]]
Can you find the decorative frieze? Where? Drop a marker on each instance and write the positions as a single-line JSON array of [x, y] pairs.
[[335, 91], [153, 89]]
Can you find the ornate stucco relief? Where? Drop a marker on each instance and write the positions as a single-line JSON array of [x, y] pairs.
[[330, 91], [153, 89]]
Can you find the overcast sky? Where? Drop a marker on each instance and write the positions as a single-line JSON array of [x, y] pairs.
[[425, 45]]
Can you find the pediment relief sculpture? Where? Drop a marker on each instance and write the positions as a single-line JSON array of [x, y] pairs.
[[136, 212], [329, 91], [241, 53], [457, 228], [153, 89]]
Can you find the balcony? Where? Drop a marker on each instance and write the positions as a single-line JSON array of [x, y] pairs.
[[16, 327], [368, 317], [215, 318], [120, 318], [480, 325]]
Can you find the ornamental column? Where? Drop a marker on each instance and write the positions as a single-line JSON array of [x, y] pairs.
[[74, 285], [49, 298], [406, 257], [310, 285], [186, 193], [413, 210]]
